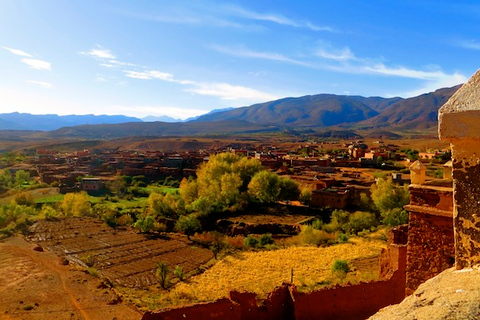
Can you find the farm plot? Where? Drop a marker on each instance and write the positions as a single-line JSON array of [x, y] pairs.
[[123, 256]]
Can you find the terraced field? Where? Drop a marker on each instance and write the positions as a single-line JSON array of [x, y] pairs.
[[125, 257]]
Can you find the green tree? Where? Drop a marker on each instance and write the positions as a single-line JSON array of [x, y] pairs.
[[21, 177], [76, 204], [23, 198], [265, 187], [166, 205], [289, 189], [388, 196], [145, 225], [188, 225], [6, 180]]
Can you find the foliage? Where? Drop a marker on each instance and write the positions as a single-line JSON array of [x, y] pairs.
[[24, 199], [411, 154], [386, 197], [178, 272], [162, 274], [250, 242], [264, 187], [340, 268], [188, 224], [310, 236], [145, 224], [266, 239], [342, 238], [76, 204], [222, 184], [305, 196], [394, 217], [166, 205], [360, 220]]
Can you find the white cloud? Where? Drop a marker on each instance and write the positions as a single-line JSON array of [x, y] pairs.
[[37, 64], [100, 53], [230, 92], [468, 44], [277, 18], [149, 75], [344, 54], [42, 84], [246, 53], [18, 52], [442, 81], [174, 112]]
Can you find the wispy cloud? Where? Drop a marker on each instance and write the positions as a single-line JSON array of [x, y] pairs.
[[100, 53], [343, 54], [148, 75], [29, 60], [230, 92], [247, 53], [228, 15], [159, 110], [223, 91], [17, 52], [468, 44], [37, 64], [276, 18], [42, 84]]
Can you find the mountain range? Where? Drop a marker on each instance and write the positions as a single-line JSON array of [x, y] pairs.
[[312, 112]]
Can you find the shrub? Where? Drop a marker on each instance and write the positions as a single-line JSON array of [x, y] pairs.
[[162, 273], [179, 272], [394, 217], [359, 221], [342, 237], [340, 268], [250, 242], [188, 225], [266, 239], [235, 242], [317, 224], [312, 236]]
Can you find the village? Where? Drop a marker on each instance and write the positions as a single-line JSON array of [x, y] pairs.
[[337, 173]]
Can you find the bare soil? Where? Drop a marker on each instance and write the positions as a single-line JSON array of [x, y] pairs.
[[125, 257], [36, 285]]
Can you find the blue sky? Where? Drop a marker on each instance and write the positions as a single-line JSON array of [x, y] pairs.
[[185, 58]]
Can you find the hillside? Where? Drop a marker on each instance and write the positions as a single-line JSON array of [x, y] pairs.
[[46, 122], [325, 110], [413, 113], [308, 114], [311, 111], [153, 129]]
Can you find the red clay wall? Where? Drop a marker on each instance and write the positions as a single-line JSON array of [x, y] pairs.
[[353, 302], [220, 309], [430, 248]]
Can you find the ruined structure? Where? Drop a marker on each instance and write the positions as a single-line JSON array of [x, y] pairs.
[[459, 122]]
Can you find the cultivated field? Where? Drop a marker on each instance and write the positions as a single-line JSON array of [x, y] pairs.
[[123, 256]]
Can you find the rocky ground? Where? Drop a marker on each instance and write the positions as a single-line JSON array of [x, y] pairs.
[[452, 295]]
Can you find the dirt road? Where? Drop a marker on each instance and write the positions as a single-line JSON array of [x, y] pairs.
[[35, 285]]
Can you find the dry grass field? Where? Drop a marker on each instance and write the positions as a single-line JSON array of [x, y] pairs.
[[262, 271]]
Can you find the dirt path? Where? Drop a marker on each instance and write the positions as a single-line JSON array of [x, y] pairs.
[[35, 285]]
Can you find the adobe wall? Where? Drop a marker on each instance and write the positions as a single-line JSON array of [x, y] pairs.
[[219, 309], [430, 236], [355, 302]]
